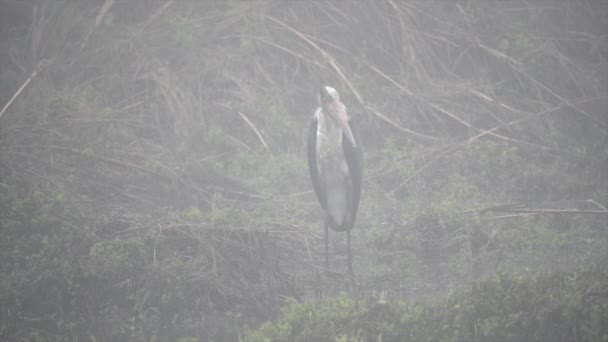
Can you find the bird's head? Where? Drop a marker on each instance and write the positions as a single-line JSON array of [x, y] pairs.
[[332, 107]]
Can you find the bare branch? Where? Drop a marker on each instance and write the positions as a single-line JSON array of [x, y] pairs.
[[43, 64]]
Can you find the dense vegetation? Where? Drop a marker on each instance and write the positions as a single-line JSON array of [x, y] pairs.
[[561, 307], [153, 181]]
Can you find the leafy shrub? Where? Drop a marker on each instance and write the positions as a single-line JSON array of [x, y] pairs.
[[559, 307]]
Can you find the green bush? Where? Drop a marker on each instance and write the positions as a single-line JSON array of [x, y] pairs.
[[559, 307]]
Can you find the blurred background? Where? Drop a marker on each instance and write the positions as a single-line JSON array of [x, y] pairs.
[[153, 174]]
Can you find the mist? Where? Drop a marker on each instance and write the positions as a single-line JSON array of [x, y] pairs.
[[154, 183]]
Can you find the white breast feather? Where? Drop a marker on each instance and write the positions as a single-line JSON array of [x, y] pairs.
[[333, 169]]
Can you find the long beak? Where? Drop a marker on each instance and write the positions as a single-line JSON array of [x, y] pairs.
[[337, 108]]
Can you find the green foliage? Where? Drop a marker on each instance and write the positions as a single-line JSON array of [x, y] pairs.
[[562, 306], [333, 319]]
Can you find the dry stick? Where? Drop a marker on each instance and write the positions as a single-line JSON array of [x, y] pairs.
[[460, 120], [158, 12], [468, 141], [240, 143], [289, 51], [404, 89], [102, 12], [490, 131], [333, 63], [500, 54], [238, 193], [504, 217], [160, 232], [532, 211], [328, 57], [551, 211], [102, 159], [251, 125], [257, 132], [597, 204], [121, 163], [518, 68], [398, 127], [489, 99], [526, 118], [519, 208], [43, 64], [445, 111]]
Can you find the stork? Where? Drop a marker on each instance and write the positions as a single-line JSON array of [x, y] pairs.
[[334, 161]]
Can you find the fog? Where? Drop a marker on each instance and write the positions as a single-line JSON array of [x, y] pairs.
[[154, 183]]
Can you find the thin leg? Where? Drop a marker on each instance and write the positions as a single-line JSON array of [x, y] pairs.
[[348, 255], [326, 246]]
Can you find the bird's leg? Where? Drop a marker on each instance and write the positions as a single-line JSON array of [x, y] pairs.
[[348, 255], [326, 246]]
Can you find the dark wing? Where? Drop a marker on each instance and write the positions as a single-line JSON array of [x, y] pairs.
[[354, 156], [312, 162]]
